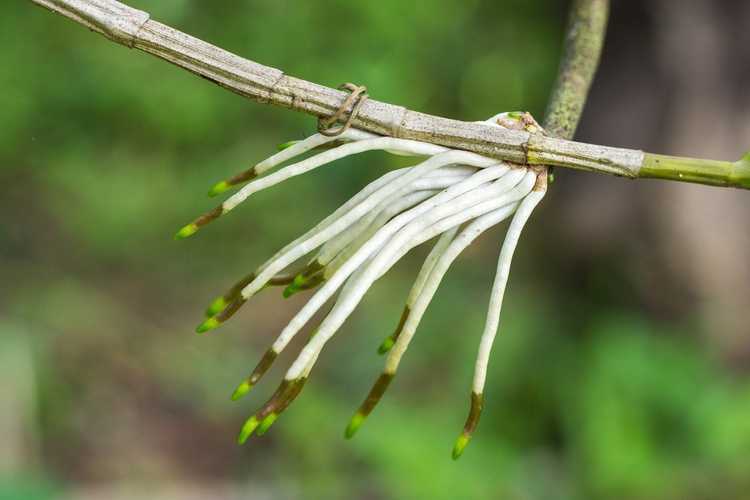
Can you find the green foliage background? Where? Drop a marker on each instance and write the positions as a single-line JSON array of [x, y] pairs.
[[105, 152]]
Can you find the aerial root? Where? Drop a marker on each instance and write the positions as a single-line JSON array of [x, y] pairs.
[[235, 292], [452, 195], [392, 338], [472, 420], [192, 228], [310, 277], [261, 368], [235, 180], [213, 322], [262, 420], [372, 399]]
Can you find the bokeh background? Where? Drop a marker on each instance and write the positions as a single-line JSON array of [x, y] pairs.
[[623, 366]]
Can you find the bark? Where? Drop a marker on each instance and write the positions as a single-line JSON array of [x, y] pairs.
[[134, 28]]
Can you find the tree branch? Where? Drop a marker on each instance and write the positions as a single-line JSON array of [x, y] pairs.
[[133, 28], [584, 40]]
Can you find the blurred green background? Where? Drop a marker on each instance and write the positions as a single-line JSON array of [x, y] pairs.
[[622, 370]]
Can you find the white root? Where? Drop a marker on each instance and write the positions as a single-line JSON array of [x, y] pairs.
[[419, 305], [304, 166], [441, 219], [463, 187], [305, 247], [453, 195], [498, 287], [388, 206]]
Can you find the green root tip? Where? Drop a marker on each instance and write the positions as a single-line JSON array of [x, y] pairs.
[[354, 424], [285, 145], [247, 430], [295, 286], [267, 423], [218, 305], [460, 445], [219, 188], [241, 390], [742, 171], [386, 345], [186, 231], [207, 325]]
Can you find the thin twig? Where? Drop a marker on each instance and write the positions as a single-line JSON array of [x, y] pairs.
[[133, 28]]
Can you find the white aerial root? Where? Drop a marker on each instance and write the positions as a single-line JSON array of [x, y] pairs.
[[453, 195], [436, 221]]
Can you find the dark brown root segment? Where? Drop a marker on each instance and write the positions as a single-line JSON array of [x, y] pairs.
[[391, 339], [277, 280], [263, 365], [401, 322], [475, 411], [376, 393], [209, 216], [477, 402], [231, 309], [281, 279], [234, 292], [241, 177], [261, 368], [284, 395]]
